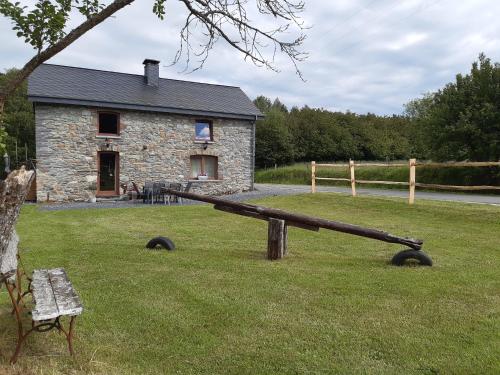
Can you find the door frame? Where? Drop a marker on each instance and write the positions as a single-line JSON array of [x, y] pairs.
[[108, 193]]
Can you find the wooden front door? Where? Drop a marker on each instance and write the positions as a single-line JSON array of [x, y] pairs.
[[108, 170]]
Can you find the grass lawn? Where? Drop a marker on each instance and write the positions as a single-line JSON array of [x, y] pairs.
[[216, 306]]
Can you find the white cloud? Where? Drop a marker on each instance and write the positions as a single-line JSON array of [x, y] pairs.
[[406, 41], [365, 55]]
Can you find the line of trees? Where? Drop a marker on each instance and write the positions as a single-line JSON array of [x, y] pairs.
[[459, 122], [305, 134], [19, 125]]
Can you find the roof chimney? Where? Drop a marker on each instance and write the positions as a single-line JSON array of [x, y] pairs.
[[151, 72]]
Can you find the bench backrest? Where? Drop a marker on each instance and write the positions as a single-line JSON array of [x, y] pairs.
[[13, 192]]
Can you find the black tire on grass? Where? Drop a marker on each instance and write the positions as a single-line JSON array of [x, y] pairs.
[[163, 242], [422, 258]]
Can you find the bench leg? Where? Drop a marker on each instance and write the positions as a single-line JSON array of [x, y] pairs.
[[20, 333], [20, 341], [18, 286], [43, 327], [69, 334], [20, 293], [40, 327]]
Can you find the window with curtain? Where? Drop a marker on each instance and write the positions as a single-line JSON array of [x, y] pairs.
[[204, 165]]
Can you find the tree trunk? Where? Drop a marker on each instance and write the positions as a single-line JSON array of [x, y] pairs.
[[12, 194]]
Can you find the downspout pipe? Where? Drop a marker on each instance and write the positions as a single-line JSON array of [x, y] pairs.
[[252, 185]]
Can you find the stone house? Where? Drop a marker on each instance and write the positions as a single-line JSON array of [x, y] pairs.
[[98, 130]]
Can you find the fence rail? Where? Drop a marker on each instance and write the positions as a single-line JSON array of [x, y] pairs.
[[412, 183]]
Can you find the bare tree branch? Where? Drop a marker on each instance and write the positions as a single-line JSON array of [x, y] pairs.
[[52, 50], [228, 19]]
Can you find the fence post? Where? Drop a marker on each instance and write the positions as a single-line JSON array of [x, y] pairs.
[[353, 178], [411, 198], [313, 177]]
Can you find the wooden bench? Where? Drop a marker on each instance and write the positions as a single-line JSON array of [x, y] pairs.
[[53, 296]]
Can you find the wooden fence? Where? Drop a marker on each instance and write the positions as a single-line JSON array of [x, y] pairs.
[[412, 183]]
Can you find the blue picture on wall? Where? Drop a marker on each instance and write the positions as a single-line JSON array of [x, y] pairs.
[[203, 131]]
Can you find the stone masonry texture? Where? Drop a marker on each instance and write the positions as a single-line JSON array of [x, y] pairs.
[[151, 147]]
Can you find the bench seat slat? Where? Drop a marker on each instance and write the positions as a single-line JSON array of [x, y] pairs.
[[8, 260], [68, 302], [43, 297], [53, 295]]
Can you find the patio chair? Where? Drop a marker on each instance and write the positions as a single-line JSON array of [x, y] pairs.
[[158, 192], [147, 192], [134, 190], [188, 187], [174, 198]]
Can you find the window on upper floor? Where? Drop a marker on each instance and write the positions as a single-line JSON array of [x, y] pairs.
[[203, 131], [109, 123], [204, 165]]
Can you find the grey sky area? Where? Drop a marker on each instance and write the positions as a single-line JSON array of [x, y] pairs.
[[364, 55]]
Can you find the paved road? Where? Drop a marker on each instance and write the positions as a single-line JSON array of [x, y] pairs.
[[275, 189]]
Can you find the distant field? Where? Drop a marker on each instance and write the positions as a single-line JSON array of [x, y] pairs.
[[300, 174]]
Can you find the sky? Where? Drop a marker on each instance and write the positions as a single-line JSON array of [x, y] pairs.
[[363, 55]]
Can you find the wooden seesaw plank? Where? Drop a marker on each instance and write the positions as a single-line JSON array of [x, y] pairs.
[[310, 221]]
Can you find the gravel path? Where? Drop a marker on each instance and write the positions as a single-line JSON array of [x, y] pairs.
[[255, 194], [269, 190]]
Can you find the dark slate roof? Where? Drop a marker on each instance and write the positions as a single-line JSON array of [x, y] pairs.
[[79, 86]]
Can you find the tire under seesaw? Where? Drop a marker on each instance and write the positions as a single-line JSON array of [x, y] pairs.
[[401, 258], [161, 242]]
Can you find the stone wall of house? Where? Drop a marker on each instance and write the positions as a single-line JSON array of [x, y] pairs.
[[151, 147]]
